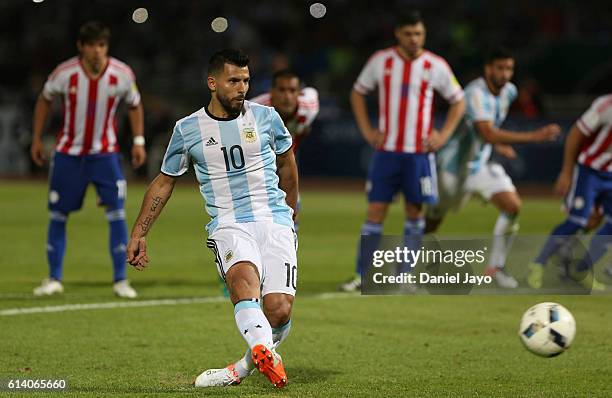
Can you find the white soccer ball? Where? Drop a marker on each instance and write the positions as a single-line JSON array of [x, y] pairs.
[[547, 329]]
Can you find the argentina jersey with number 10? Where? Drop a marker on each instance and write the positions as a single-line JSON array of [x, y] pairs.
[[235, 163]]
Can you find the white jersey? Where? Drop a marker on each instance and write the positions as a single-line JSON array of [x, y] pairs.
[[235, 163], [465, 151], [89, 105], [596, 124], [406, 94], [306, 112]]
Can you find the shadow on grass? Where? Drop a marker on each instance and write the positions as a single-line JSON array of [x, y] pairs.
[[256, 385]]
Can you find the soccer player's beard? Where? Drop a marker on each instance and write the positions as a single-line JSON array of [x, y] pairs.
[[231, 108], [498, 83]]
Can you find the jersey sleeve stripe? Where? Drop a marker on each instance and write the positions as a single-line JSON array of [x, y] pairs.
[[583, 128], [361, 89]]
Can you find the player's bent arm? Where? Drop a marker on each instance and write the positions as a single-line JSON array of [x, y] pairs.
[[41, 112], [574, 141], [360, 110], [494, 135], [288, 178], [455, 113], [136, 117]]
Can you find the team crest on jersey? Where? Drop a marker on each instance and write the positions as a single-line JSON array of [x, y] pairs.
[[249, 134], [112, 91], [73, 90], [229, 254]]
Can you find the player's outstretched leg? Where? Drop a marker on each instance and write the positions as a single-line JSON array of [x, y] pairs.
[[558, 237], [56, 247]]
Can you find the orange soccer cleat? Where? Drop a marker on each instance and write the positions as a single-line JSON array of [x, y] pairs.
[[270, 364]]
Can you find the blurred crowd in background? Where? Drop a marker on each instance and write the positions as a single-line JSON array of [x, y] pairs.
[[563, 51]]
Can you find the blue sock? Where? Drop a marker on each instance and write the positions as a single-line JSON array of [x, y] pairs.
[[597, 248], [56, 244], [558, 237], [368, 242], [117, 242], [413, 238]]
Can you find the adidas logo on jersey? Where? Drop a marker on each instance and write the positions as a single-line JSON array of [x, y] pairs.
[[211, 141]]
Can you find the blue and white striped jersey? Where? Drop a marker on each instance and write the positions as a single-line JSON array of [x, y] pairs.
[[235, 163], [465, 151]]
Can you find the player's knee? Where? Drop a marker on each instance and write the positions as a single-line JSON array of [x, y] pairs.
[[594, 221], [242, 281], [414, 211], [278, 309], [513, 206], [377, 212]]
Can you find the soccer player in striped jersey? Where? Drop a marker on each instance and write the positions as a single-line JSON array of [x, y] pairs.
[[585, 180], [405, 140], [91, 86], [463, 163], [241, 152], [298, 107]]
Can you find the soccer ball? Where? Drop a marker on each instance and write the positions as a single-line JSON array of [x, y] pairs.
[[547, 329]]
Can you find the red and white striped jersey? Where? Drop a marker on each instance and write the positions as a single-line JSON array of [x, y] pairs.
[[405, 95], [596, 124], [307, 111], [89, 105]]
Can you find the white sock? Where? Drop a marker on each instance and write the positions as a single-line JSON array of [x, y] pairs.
[[503, 235], [252, 323], [245, 365], [280, 333]]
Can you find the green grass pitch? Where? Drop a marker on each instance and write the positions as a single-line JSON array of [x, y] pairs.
[[352, 346]]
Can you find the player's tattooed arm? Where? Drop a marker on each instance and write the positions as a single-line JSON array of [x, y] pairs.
[[155, 199], [288, 178], [148, 220]]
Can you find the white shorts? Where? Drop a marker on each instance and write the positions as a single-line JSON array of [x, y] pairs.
[[271, 247], [489, 180], [486, 182]]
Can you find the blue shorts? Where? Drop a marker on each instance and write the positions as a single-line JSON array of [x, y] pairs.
[[589, 187], [412, 173], [70, 176]]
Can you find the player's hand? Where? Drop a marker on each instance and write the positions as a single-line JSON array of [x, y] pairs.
[[37, 151], [375, 138], [550, 132], [139, 156], [137, 253], [563, 183], [506, 151], [435, 141]]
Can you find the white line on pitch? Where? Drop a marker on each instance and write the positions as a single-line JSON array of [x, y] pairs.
[[143, 303]]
